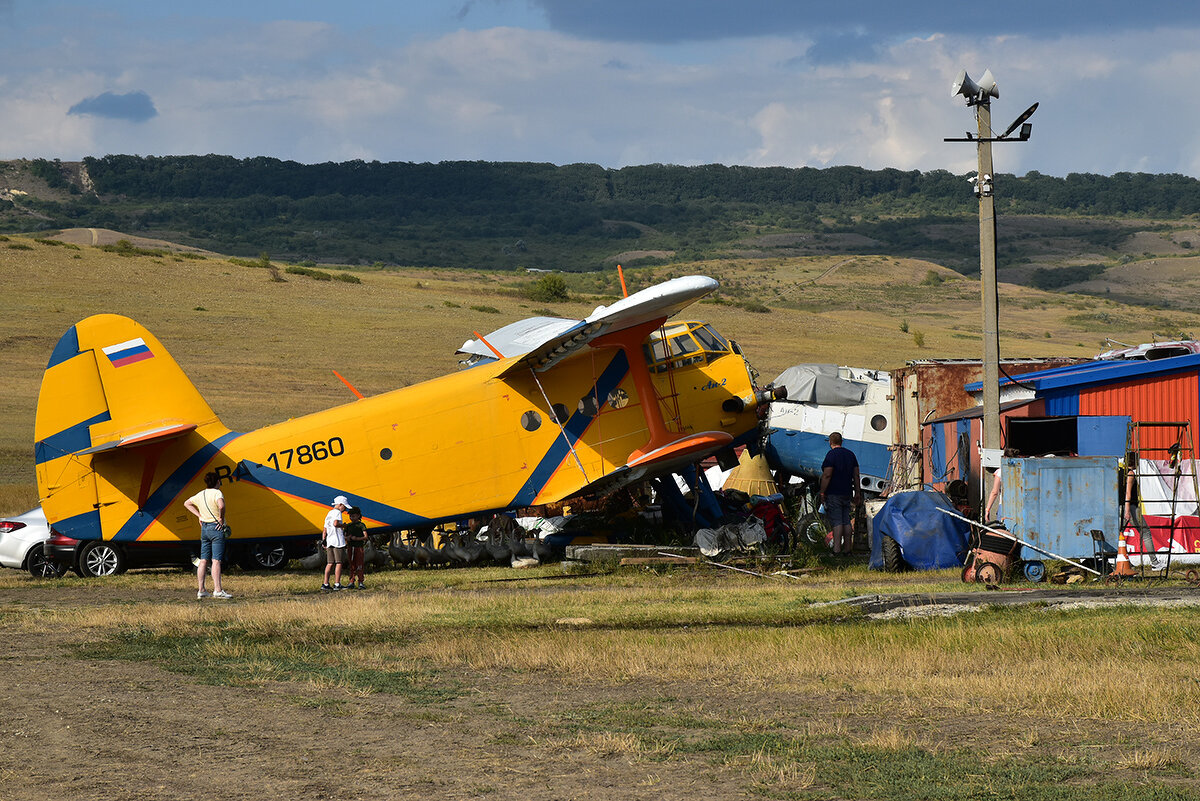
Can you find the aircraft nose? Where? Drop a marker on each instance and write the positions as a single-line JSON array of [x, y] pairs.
[[754, 399]]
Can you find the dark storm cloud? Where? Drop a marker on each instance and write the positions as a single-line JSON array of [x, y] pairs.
[[133, 106], [671, 21]]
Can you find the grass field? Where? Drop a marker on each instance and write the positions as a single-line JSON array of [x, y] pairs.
[[627, 684], [678, 684], [261, 350]]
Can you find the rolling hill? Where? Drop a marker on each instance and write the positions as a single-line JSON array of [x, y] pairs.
[[261, 349]]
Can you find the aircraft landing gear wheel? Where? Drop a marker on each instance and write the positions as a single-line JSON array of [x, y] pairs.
[[264, 556], [988, 573], [812, 529], [1034, 570], [99, 558]]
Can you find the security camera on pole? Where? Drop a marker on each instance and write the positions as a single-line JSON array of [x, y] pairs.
[[980, 96]]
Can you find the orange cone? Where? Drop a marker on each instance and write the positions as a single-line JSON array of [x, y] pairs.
[[1122, 567]]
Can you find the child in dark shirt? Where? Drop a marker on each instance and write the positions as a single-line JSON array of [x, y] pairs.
[[356, 541]]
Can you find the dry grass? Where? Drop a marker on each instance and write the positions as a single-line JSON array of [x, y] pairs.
[[688, 673], [770, 772], [697, 629], [262, 351]]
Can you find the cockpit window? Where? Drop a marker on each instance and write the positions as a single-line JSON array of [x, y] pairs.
[[710, 339], [688, 343]]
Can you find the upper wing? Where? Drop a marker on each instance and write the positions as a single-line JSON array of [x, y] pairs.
[[559, 341]]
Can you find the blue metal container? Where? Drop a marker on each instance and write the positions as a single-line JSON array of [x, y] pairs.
[[1055, 502]]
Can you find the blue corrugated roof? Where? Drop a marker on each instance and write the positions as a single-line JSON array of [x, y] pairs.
[[1107, 371]]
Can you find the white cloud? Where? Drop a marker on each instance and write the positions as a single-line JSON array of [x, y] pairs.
[[313, 92]]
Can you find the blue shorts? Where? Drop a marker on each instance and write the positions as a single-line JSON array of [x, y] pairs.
[[837, 509], [212, 542]]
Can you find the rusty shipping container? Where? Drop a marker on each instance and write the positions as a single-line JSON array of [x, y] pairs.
[[930, 389]]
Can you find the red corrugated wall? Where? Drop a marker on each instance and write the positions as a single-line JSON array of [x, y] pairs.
[[1171, 398]]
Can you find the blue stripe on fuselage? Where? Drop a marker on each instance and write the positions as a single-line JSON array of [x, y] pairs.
[[169, 490], [609, 379], [322, 494]]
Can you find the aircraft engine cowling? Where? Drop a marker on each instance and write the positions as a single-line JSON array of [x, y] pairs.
[[754, 399]]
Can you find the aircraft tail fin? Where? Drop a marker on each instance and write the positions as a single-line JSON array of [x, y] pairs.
[[110, 385]]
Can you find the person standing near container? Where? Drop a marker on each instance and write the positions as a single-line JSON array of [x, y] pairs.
[[209, 506], [997, 494], [840, 493]]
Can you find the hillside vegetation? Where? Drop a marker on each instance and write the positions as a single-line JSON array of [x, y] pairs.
[[260, 341], [583, 217]]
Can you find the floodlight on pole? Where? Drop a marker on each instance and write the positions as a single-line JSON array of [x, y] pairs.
[[979, 95]]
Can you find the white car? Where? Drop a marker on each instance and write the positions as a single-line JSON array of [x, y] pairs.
[[21, 541]]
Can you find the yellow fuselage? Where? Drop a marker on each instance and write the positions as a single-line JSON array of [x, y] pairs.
[[463, 444]]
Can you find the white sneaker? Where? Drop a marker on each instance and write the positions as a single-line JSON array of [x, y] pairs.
[[203, 594], [221, 594]]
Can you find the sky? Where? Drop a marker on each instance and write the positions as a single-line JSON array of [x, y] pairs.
[[621, 82]]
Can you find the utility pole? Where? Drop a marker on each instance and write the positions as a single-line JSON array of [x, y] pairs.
[[979, 95], [987, 281]]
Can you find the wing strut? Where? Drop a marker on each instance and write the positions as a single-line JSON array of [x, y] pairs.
[[562, 430], [630, 340]]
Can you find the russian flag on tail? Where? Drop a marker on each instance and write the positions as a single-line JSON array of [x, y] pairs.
[[126, 353]]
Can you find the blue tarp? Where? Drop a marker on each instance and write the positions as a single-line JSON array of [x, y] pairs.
[[928, 539]]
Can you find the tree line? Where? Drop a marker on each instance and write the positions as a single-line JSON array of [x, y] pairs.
[[512, 214]]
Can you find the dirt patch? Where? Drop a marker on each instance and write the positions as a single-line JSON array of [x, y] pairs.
[[1152, 243], [116, 729], [634, 255], [103, 236], [119, 730]]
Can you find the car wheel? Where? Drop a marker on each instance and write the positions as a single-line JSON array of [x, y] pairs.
[[100, 558], [264, 556], [893, 562], [40, 567]]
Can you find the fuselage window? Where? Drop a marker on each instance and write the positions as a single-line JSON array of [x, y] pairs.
[[588, 406], [618, 398]]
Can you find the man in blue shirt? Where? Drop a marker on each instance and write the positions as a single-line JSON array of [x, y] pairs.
[[840, 492]]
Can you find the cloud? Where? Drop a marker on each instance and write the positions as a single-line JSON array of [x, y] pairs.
[[839, 48], [316, 91], [674, 21], [132, 106]]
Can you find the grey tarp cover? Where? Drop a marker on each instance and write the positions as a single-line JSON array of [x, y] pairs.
[[819, 383]]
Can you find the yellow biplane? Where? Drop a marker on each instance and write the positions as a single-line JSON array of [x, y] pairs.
[[551, 409]]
